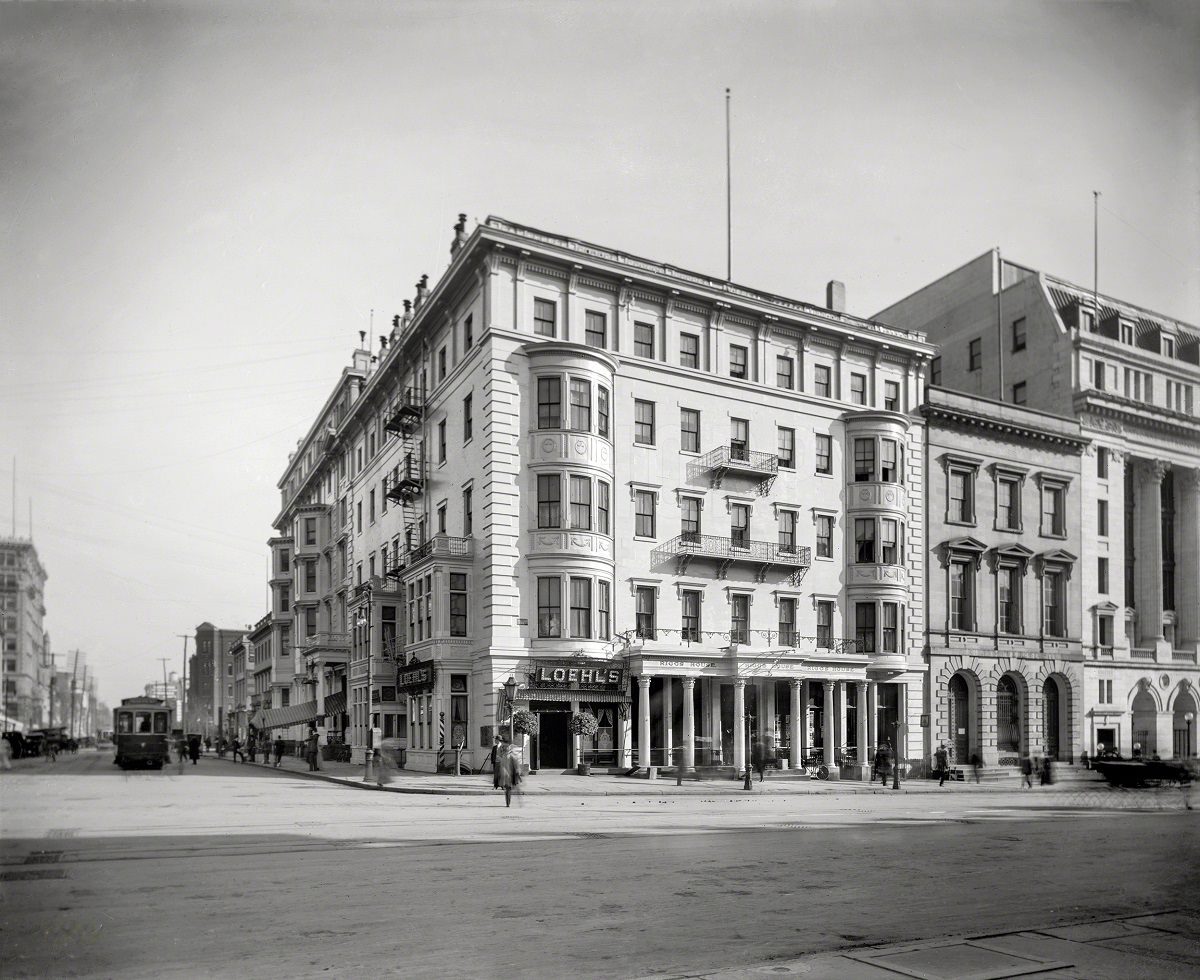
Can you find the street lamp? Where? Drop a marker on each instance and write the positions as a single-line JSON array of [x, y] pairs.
[[896, 753], [510, 692], [1188, 716]]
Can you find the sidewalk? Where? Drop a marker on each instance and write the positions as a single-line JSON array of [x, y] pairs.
[[559, 784]]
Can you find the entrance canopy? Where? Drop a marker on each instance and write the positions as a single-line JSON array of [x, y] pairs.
[[557, 694], [295, 714]]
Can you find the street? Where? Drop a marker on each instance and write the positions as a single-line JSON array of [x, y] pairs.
[[238, 871]]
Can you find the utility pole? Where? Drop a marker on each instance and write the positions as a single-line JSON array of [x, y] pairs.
[[74, 682], [50, 723]]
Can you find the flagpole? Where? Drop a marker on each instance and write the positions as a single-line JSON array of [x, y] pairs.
[[1000, 322], [1096, 260], [728, 196]]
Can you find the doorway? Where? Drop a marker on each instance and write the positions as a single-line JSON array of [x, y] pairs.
[[1050, 718], [554, 740], [960, 719], [1008, 716]]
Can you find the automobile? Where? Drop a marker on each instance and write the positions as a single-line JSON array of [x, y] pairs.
[[1143, 772]]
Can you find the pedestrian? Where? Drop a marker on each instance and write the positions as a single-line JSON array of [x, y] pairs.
[[312, 751], [5, 754], [497, 751], [510, 770], [236, 745], [1047, 772], [941, 763], [1027, 771], [885, 762], [383, 767], [1083, 759], [278, 750], [194, 747], [252, 745], [1137, 750], [207, 744], [976, 766], [181, 746], [758, 759]]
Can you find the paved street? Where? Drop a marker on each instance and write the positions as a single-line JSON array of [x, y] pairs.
[[233, 870]]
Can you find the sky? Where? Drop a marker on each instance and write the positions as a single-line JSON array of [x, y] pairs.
[[203, 203]]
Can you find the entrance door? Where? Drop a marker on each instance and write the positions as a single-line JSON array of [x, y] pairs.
[[960, 719], [1050, 718], [554, 740], [1008, 716]]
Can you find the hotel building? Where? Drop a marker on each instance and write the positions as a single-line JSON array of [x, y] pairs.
[[26, 664]]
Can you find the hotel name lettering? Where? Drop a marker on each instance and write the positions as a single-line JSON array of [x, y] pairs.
[[572, 676], [416, 679]]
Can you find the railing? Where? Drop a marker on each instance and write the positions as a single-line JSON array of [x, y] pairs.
[[442, 546], [715, 546], [738, 456], [1102, 653], [407, 412], [1184, 656], [822, 644], [324, 638], [1137, 653]]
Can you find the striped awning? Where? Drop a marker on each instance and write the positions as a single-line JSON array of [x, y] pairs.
[[335, 704], [558, 694], [294, 714]]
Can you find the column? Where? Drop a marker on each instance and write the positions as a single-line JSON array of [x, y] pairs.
[[797, 726], [1187, 558], [830, 725], [625, 737], [805, 748], [668, 710], [902, 727], [1148, 596], [689, 724], [864, 744], [843, 735], [576, 754], [872, 716], [644, 721], [739, 725]]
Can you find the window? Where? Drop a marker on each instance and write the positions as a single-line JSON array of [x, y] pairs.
[[890, 633], [458, 604], [603, 611], [1008, 505], [889, 468], [1102, 576], [644, 614], [441, 439], [864, 460], [1126, 333], [358, 515], [739, 526], [824, 454], [1008, 591], [935, 371], [739, 439], [690, 615], [467, 422], [469, 331], [468, 517], [975, 354], [889, 542], [1087, 322], [1102, 518], [787, 622], [787, 531], [371, 505], [1102, 462], [821, 380], [581, 405], [787, 448], [643, 522], [739, 361], [549, 607], [864, 540], [689, 350], [602, 411], [549, 489], [858, 389], [739, 626], [1052, 511], [891, 396], [581, 503], [962, 504], [690, 518], [549, 403], [1052, 618], [1104, 638], [1018, 393], [581, 608], [689, 430], [602, 507], [441, 519], [595, 330], [310, 529], [1098, 375], [864, 626], [824, 624], [1018, 334], [643, 423], [824, 536], [310, 621], [543, 317], [442, 364], [785, 373], [643, 339], [962, 603], [310, 576], [1168, 346]]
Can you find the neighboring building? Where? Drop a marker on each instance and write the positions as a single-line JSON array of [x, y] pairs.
[[1130, 377], [1003, 590], [210, 678], [168, 690], [238, 716], [26, 666], [619, 484]]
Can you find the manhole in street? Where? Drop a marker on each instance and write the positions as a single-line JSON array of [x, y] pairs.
[[32, 874], [44, 857]]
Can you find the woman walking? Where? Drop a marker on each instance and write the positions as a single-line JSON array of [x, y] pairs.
[[508, 765]]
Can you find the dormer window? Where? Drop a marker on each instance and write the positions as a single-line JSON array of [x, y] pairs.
[[1087, 320], [1127, 332], [1167, 346]]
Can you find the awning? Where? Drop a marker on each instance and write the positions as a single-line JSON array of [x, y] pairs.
[[294, 714], [335, 704], [558, 694], [258, 719]]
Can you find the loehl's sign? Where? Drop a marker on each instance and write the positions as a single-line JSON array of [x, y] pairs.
[[570, 674]]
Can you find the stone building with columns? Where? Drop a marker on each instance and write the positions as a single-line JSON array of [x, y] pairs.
[[689, 507], [1130, 377], [1003, 588]]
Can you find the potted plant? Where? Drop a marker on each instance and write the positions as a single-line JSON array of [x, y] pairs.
[[584, 725], [524, 722]]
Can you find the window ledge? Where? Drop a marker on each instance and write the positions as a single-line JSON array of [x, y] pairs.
[[960, 523]]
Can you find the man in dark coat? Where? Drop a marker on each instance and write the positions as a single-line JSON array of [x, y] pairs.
[[941, 763], [194, 748], [312, 752], [278, 750]]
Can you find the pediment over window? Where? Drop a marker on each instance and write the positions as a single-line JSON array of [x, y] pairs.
[[1105, 607], [968, 544], [1058, 556], [1014, 552]]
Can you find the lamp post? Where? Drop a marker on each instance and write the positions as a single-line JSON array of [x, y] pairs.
[[1189, 717], [896, 760], [510, 692]]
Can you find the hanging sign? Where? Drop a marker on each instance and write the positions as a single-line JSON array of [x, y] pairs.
[[416, 678], [574, 675]]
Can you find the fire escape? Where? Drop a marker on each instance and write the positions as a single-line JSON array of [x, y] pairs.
[[407, 481]]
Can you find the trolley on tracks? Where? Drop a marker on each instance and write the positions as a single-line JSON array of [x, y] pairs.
[[141, 729]]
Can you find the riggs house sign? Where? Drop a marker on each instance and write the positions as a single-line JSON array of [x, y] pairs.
[[573, 676]]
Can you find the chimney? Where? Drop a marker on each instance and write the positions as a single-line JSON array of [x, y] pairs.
[[362, 339], [460, 235], [835, 296], [422, 291], [406, 319], [383, 342]]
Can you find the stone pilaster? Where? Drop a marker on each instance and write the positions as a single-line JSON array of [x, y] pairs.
[[1187, 557], [1148, 477]]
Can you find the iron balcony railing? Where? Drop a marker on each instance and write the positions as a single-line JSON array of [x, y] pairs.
[[326, 640], [735, 549], [738, 456], [439, 546], [407, 412], [406, 481]]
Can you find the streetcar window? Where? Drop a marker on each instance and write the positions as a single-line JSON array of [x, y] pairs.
[[124, 723], [143, 722], [160, 723]]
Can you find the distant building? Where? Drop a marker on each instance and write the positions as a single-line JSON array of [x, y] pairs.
[[26, 667], [210, 677], [168, 690], [1131, 378]]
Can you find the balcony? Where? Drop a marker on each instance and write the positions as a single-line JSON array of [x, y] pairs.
[[440, 546], [408, 412], [408, 482], [764, 556], [737, 459], [1136, 653]]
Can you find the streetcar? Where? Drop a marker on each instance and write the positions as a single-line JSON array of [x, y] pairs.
[[141, 728]]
